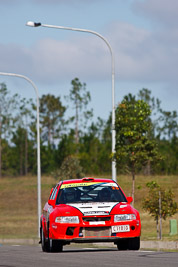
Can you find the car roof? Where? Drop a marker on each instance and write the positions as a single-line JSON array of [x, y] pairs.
[[87, 179]]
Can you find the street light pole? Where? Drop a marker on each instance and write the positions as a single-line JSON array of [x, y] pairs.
[[38, 142], [34, 24]]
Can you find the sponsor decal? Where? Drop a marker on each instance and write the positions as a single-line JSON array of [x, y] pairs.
[[94, 208], [96, 213], [97, 223], [78, 184], [114, 185], [123, 206], [49, 209], [110, 184]]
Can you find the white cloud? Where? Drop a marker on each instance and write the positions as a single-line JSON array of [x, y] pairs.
[[14, 58], [67, 2], [140, 55], [51, 2], [50, 61], [9, 2], [161, 11], [144, 55], [56, 60]]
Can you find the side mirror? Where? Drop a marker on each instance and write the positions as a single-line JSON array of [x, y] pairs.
[[51, 202], [129, 199]]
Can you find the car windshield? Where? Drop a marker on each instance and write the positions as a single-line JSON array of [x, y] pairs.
[[90, 192]]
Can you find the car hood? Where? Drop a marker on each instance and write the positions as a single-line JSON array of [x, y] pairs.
[[93, 209], [100, 208]]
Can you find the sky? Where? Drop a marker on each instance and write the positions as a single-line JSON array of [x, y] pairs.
[[143, 35]]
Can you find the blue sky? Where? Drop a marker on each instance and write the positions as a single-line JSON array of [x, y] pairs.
[[142, 33]]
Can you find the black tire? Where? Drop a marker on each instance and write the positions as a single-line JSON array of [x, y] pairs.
[[134, 243], [50, 245], [44, 243], [122, 244], [55, 246]]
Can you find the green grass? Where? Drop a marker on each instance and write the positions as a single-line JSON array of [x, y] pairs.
[[18, 205]]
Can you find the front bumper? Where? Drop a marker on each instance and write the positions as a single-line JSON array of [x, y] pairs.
[[85, 233]]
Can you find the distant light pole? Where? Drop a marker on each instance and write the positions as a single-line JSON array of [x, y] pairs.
[[38, 142], [34, 24]]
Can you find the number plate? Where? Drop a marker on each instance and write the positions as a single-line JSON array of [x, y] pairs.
[[120, 228]]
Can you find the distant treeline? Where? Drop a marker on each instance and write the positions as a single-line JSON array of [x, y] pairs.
[[80, 137]]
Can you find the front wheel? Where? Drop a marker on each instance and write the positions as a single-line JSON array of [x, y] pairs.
[[50, 245], [122, 244], [55, 246], [134, 243], [44, 243]]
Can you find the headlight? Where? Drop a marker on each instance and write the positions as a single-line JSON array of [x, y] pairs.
[[67, 219], [124, 217]]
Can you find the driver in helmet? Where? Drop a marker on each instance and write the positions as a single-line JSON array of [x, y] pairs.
[[70, 195], [105, 195]]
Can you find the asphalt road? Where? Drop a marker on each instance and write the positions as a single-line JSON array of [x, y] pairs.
[[28, 256]]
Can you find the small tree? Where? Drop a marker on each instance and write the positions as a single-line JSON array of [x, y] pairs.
[[22, 134], [80, 98], [7, 106], [157, 196], [51, 118], [70, 169], [134, 146]]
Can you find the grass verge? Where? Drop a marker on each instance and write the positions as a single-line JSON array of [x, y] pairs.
[[18, 205]]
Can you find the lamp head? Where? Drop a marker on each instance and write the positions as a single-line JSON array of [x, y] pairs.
[[33, 24]]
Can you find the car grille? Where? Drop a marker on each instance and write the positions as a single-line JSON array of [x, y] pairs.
[[97, 219], [96, 232]]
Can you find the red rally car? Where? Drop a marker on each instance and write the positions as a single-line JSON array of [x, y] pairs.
[[89, 210]]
